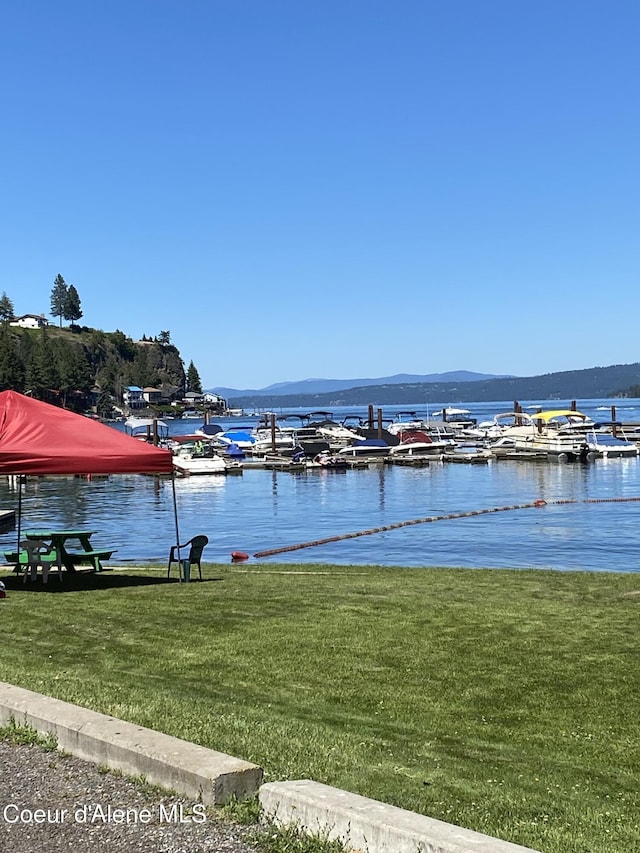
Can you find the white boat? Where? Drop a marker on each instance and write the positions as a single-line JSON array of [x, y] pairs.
[[609, 441], [273, 441], [460, 421], [242, 437], [404, 421], [338, 435], [196, 458], [365, 447], [147, 429], [560, 433], [451, 411], [439, 431], [298, 424], [415, 442]]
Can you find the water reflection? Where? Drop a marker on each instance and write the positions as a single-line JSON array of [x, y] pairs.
[[264, 509], [381, 481]]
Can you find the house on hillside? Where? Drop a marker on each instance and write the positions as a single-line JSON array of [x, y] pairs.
[[215, 402], [30, 321], [153, 395], [133, 397], [171, 393], [208, 401]]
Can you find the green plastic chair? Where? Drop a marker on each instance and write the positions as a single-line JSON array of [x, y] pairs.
[[195, 555]]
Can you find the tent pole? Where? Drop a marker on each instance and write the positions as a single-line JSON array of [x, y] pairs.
[[19, 513], [175, 515]]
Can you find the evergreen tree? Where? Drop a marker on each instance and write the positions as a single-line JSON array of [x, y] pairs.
[[82, 370], [59, 296], [6, 307], [104, 406], [108, 377], [164, 338], [72, 310], [41, 374], [74, 370], [11, 364], [140, 372], [193, 379], [123, 345], [64, 359]]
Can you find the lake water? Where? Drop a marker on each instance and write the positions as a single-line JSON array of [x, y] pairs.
[[261, 510]]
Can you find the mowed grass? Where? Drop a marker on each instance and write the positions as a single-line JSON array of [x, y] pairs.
[[504, 701]]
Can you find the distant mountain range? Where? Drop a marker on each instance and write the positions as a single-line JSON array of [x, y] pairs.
[[619, 380], [327, 386]]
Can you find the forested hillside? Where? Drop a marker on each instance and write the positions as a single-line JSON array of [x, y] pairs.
[[74, 365], [591, 383]]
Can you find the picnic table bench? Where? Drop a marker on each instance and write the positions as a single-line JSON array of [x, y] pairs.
[[93, 558], [47, 548]]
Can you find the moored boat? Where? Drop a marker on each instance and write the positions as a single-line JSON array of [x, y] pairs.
[[199, 458], [414, 442], [364, 447], [560, 433], [609, 441]]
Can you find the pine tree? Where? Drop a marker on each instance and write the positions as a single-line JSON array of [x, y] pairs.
[[72, 310], [6, 307], [194, 384], [104, 406], [41, 372], [11, 364], [74, 371], [59, 296]]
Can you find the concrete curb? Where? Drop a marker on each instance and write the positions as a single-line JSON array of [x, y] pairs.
[[163, 760], [368, 825], [360, 823]]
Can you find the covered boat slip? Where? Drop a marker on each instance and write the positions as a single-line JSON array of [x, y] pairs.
[[39, 439]]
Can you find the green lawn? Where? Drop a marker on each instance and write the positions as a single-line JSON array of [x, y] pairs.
[[504, 701]]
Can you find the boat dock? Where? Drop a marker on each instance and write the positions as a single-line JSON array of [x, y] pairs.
[[285, 464], [317, 442]]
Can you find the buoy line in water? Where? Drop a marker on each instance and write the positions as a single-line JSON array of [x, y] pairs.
[[395, 526], [430, 518]]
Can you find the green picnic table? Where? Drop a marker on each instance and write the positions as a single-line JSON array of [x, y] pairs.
[[53, 550]]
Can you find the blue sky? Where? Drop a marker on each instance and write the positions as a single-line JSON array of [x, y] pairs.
[[350, 188]]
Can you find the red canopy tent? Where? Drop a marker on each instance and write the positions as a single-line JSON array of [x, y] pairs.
[[37, 438]]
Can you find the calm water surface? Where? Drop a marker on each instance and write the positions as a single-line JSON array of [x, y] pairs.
[[262, 510]]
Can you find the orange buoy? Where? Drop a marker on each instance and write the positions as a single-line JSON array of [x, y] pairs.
[[238, 556]]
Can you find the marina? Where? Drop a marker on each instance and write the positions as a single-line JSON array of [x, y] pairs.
[[587, 516], [289, 441]]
